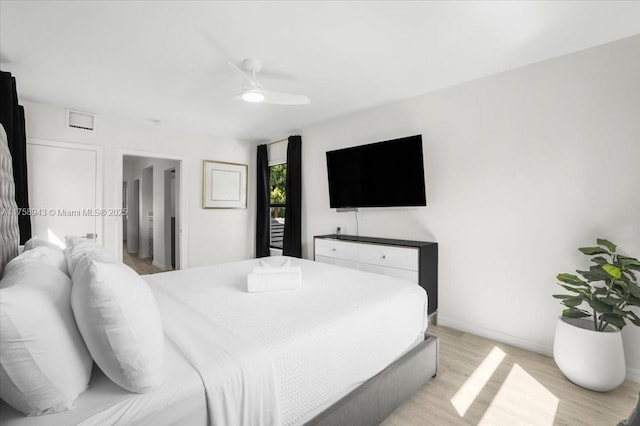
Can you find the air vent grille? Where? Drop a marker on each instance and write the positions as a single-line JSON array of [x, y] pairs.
[[81, 120]]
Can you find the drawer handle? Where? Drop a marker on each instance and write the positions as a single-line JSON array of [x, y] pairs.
[[383, 256], [333, 249]]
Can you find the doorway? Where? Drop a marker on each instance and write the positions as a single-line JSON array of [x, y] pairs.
[[155, 206]]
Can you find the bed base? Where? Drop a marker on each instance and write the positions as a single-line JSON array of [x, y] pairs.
[[375, 400]]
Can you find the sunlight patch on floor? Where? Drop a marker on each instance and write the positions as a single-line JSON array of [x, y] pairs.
[[521, 400], [470, 390]]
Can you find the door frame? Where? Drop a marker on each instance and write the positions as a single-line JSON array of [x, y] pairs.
[[99, 220], [133, 220], [168, 237], [181, 223], [125, 205]]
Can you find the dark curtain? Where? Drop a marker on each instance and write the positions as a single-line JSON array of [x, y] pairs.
[[262, 205], [292, 242], [12, 119]]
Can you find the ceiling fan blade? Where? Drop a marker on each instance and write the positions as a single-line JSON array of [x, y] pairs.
[[267, 74], [281, 98], [239, 71]]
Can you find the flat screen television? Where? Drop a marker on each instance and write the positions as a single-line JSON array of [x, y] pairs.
[[382, 174]]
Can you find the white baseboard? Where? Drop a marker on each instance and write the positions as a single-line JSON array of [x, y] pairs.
[[161, 266], [633, 374], [529, 345]]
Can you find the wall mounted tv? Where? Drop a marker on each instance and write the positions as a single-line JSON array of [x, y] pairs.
[[382, 174]]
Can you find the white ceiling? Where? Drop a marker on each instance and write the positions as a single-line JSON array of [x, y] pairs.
[[164, 60]]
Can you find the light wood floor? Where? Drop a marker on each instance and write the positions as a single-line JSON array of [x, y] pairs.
[[141, 266], [522, 388]]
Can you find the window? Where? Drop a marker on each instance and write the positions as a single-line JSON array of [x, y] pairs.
[[277, 203]]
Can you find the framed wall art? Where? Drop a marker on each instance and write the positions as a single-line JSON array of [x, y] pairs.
[[224, 185]]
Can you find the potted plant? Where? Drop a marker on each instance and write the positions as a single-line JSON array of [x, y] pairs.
[[588, 342]]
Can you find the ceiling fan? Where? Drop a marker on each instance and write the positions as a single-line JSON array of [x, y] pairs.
[[253, 91]]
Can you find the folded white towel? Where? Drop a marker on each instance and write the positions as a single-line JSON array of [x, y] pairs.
[[281, 270], [271, 265], [268, 278]]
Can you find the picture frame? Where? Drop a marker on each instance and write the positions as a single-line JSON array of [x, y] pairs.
[[224, 185]]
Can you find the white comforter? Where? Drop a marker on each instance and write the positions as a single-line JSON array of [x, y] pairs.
[[281, 357]]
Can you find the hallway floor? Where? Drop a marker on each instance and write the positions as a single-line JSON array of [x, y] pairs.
[[141, 266]]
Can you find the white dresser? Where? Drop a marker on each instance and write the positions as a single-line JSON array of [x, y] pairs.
[[415, 261]]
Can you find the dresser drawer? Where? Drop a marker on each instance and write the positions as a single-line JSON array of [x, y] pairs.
[[414, 261], [389, 256], [392, 272], [336, 249], [338, 262]]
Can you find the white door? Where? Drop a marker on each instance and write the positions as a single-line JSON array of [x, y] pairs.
[[64, 189]]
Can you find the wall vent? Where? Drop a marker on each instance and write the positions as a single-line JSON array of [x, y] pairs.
[[81, 120]]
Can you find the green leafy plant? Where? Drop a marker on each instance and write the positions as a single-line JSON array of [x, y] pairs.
[[609, 287]]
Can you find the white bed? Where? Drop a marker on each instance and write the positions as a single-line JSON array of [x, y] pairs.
[[263, 358], [180, 401]]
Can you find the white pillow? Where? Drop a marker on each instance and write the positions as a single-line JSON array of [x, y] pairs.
[[120, 322], [77, 248], [38, 242], [44, 254], [72, 241], [44, 364]]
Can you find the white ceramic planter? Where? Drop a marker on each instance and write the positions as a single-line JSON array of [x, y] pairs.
[[591, 359]]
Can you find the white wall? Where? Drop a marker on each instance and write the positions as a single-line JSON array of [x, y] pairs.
[[147, 189], [212, 236], [521, 169]]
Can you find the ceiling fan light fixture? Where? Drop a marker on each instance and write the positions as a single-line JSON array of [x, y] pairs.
[[252, 91], [253, 95]]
